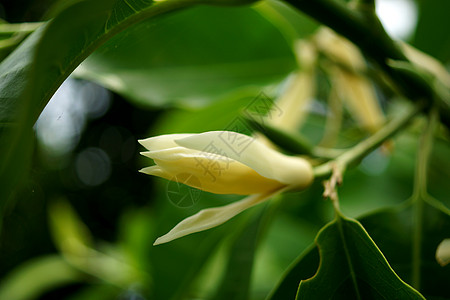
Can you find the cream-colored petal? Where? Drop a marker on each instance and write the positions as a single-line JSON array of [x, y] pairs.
[[170, 154], [267, 162], [340, 49], [294, 101], [427, 62], [212, 217], [155, 171], [162, 141], [213, 173], [359, 95]]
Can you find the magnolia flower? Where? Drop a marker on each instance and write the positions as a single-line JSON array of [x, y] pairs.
[[350, 86], [300, 89], [224, 162]]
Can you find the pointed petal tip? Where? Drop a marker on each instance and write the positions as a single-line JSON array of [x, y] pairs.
[[164, 239], [212, 217], [143, 142], [152, 170]]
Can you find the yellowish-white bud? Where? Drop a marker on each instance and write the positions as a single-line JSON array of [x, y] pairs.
[[294, 101], [339, 49], [359, 95], [225, 163], [347, 77], [427, 62], [299, 91]]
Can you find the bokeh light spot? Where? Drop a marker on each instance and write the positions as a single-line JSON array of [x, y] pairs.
[[93, 166]]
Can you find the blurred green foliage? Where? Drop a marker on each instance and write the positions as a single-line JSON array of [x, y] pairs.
[[192, 70]]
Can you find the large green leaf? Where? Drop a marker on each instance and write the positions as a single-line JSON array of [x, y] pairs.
[[352, 267], [35, 70], [394, 232], [292, 23], [223, 114], [178, 60], [302, 268]]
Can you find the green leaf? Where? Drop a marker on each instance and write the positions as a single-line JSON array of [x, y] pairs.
[[351, 267], [73, 239], [304, 267], [176, 60], [35, 70], [175, 266], [433, 18], [33, 278], [237, 278], [392, 229], [292, 23], [223, 114], [69, 233]]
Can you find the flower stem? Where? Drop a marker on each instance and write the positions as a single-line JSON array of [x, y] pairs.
[[362, 149], [420, 194]]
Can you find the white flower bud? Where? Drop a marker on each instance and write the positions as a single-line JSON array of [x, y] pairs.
[[220, 167], [223, 162]]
